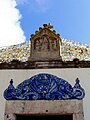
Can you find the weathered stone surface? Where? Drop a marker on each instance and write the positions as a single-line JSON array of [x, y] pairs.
[[55, 107], [9, 116], [78, 117], [45, 64], [45, 45]]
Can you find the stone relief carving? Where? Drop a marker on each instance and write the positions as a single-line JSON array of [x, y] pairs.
[[9, 116], [53, 44], [46, 44], [37, 45]]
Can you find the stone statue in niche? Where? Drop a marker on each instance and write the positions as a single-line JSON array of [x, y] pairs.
[[45, 44], [53, 44], [41, 44], [37, 45]]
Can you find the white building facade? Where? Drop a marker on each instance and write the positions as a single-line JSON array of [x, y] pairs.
[[45, 58]]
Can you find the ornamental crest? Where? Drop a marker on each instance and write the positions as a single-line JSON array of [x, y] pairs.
[[44, 87], [44, 43]]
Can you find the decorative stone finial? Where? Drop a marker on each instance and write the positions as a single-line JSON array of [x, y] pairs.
[[48, 26]]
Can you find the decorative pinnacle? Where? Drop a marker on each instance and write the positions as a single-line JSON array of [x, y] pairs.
[[77, 81], [11, 81], [48, 26]]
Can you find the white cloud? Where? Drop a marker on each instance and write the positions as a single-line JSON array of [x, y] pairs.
[[10, 29]]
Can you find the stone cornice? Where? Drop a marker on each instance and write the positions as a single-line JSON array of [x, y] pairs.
[[47, 64]]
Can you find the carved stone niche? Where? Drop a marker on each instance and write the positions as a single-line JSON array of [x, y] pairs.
[[47, 108], [45, 45]]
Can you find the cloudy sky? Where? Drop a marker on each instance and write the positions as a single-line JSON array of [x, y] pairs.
[[21, 18]]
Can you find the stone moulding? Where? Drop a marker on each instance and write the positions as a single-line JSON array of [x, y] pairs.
[[44, 107], [44, 87]]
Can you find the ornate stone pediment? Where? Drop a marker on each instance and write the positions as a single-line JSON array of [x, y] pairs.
[[45, 44]]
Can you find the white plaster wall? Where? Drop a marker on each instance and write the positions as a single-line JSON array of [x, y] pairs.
[[69, 74]]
